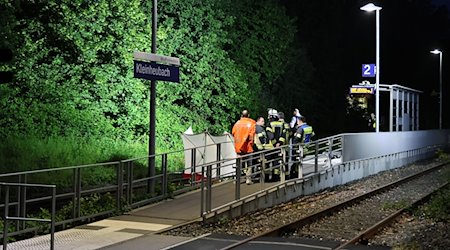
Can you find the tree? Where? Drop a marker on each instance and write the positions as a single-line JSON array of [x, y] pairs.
[[74, 66], [72, 78]]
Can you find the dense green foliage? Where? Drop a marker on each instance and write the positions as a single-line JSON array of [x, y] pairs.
[[73, 69], [72, 75]]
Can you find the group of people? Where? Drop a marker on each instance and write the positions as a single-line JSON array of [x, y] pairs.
[[251, 136]]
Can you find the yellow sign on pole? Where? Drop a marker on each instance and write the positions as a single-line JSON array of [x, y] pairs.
[[361, 90]]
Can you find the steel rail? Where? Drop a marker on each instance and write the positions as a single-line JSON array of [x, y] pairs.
[[373, 230], [278, 231]]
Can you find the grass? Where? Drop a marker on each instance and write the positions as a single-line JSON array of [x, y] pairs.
[[29, 153], [395, 205], [19, 154]]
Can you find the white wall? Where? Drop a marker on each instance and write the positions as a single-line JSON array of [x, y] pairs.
[[364, 145]]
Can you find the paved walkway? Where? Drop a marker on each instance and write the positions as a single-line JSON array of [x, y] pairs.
[[136, 229]]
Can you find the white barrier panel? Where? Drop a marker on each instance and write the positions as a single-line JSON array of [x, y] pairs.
[[206, 154]]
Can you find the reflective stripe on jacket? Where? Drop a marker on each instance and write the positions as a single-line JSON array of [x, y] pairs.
[[276, 132], [261, 139], [303, 134]]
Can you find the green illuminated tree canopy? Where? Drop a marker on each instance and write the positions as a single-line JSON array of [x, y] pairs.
[[73, 66]]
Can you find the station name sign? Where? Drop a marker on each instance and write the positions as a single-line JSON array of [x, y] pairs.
[[362, 90], [146, 67], [154, 71]]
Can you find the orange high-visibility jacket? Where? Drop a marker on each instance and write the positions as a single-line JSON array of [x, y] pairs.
[[243, 133]]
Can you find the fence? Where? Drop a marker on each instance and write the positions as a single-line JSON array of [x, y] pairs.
[[278, 164], [338, 174], [126, 186], [21, 209]]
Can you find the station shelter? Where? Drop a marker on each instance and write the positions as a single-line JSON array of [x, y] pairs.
[[399, 106], [403, 107]]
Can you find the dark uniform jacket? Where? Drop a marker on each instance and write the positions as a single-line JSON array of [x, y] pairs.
[[303, 134], [276, 132]]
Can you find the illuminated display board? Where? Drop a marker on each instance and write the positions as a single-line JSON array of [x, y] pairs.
[[362, 90]]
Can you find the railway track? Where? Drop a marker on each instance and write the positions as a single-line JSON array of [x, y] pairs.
[[357, 219]]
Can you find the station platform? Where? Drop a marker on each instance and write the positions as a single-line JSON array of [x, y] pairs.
[[128, 231]]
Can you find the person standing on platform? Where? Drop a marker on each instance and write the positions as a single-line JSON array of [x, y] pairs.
[[293, 123], [287, 135], [302, 135], [286, 127], [304, 131], [276, 135], [261, 140], [243, 133]]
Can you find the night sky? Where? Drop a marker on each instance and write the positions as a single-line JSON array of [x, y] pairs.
[[342, 38]]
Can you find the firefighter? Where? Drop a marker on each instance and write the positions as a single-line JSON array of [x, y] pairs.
[[286, 128], [304, 132], [275, 130], [261, 140], [302, 135], [277, 137]]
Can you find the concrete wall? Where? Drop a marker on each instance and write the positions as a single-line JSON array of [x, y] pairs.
[[364, 145]]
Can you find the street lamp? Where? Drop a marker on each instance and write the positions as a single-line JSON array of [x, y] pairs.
[[436, 52], [369, 8]]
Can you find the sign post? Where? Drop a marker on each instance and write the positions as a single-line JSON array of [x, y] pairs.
[[152, 71], [145, 67]]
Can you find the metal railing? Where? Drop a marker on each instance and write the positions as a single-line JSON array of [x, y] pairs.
[[125, 185], [21, 217], [278, 164], [241, 205]]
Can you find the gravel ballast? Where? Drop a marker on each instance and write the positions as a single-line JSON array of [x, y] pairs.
[[265, 219]]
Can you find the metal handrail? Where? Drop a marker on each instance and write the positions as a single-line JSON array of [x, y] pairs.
[[243, 200], [7, 218]]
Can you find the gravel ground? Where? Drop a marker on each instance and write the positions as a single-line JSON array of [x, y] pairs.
[[412, 232], [263, 220], [415, 231], [351, 221]]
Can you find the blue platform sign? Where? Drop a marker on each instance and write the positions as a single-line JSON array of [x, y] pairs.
[[369, 70], [154, 71]]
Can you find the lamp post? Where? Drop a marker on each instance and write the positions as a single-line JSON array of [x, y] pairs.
[[369, 8], [438, 52]]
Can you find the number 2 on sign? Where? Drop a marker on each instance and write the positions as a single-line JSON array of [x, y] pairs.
[[368, 70]]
